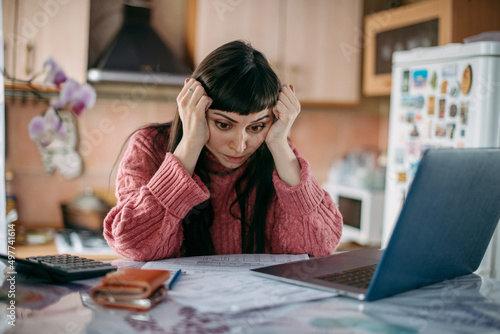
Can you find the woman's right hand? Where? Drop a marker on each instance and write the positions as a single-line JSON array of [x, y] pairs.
[[193, 102]]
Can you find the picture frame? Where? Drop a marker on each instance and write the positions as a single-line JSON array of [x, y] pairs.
[[422, 24], [419, 24]]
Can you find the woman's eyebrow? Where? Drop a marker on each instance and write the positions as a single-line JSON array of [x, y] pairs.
[[260, 119], [234, 121]]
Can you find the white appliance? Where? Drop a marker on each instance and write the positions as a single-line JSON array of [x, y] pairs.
[[441, 97], [362, 213]]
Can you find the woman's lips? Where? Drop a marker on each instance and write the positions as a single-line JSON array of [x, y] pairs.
[[234, 159]]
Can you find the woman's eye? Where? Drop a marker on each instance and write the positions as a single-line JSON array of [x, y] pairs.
[[222, 126], [256, 128]]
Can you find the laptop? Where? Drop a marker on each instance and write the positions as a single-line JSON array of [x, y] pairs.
[[444, 227]]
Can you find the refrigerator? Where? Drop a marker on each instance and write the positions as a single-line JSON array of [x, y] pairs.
[[441, 97]]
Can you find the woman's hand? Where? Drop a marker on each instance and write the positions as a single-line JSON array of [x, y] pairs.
[[286, 111], [193, 102]]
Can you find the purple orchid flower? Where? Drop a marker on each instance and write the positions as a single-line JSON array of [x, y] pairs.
[[56, 75], [83, 98], [45, 129], [49, 127], [79, 97]]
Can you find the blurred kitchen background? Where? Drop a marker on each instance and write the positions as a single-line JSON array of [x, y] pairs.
[[317, 45]]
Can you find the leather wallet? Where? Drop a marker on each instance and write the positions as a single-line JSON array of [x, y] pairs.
[[131, 288]]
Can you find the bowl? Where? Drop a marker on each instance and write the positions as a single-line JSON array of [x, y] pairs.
[[86, 211]]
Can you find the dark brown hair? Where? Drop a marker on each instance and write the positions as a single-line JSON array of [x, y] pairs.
[[238, 79]]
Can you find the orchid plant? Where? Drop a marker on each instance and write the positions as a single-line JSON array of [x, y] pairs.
[[44, 129]]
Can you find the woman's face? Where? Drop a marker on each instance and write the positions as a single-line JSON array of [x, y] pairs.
[[234, 137]]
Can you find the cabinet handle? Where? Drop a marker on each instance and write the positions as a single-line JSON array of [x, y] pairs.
[[29, 59], [6, 58]]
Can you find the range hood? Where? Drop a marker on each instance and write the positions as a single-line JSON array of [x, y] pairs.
[[137, 54]]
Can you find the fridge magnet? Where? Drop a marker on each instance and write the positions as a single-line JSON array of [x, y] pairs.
[[440, 130], [450, 129], [407, 101], [414, 132], [410, 116], [419, 102], [443, 87], [441, 108], [418, 117], [453, 88], [431, 105], [406, 81], [449, 71], [401, 177], [419, 78], [453, 110], [466, 80], [460, 144], [464, 112], [462, 133], [433, 82]]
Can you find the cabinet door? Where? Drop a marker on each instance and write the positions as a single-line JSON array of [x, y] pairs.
[[46, 28], [322, 56], [256, 21]]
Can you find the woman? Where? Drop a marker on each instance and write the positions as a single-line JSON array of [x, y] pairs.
[[222, 177]]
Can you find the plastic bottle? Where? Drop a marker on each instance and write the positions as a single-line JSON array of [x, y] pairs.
[[11, 207], [11, 199]]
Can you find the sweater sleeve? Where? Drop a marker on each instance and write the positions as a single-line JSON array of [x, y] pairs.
[[154, 196], [306, 220]]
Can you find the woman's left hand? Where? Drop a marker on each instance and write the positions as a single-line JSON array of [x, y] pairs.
[[286, 111]]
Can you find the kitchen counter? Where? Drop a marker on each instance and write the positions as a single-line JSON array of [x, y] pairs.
[[23, 251]]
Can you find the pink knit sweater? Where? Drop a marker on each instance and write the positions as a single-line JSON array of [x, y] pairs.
[[155, 193]]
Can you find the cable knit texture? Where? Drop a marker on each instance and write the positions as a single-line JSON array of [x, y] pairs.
[[155, 193]]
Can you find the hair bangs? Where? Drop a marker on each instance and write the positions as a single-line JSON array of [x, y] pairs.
[[242, 83], [248, 94]]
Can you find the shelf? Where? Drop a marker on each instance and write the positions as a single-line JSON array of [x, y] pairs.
[[31, 92]]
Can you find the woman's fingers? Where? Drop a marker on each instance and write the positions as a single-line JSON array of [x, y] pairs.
[[287, 106], [193, 97], [288, 97]]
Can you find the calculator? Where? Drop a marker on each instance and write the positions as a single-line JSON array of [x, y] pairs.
[[57, 268]]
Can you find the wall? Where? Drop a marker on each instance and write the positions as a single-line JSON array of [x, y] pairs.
[[326, 135], [102, 132]]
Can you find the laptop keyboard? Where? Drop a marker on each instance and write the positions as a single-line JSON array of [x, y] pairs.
[[359, 277]]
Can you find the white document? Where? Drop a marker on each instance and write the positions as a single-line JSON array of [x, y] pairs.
[[224, 284]]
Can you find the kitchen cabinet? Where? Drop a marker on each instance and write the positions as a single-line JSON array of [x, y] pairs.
[[311, 43], [36, 30]]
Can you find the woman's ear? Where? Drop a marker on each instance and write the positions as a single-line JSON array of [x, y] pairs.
[[275, 114]]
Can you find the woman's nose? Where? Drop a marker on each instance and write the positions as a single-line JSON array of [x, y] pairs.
[[239, 142]]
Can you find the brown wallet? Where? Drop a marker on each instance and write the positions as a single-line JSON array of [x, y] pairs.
[[131, 288]]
